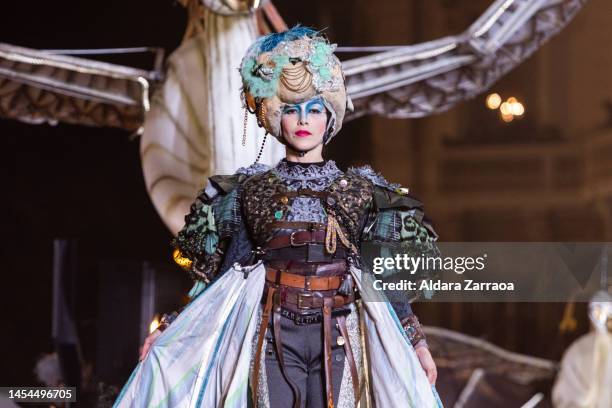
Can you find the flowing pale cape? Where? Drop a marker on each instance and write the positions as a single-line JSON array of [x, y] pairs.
[[203, 358]]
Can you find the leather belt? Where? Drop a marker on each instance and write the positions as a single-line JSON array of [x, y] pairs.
[[302, 319], [337, 267], [307, 300], [306, 282], [312, 253], [296, 239]]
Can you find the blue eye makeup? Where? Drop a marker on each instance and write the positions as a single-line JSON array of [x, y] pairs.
[[313, 106], [289, 109]]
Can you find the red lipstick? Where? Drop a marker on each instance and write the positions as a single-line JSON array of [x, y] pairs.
[[302, 133]]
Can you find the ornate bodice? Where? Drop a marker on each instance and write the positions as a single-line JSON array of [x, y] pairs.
[[305, 193]]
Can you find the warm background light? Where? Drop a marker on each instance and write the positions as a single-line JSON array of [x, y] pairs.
[[505, 109], [493, 101], [517, 109], [508, 109], [154, 324]]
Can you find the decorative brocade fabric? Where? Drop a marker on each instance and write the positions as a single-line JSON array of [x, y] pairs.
[[367, 207], [265, 200], [313, 177]]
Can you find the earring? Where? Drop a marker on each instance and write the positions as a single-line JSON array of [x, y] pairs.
[[261, 115], [250, 102]]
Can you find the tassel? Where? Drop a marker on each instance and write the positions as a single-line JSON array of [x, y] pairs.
[[330, 235], [346, 288], [333, 232]]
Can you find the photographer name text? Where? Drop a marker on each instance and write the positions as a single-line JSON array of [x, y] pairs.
[[439, 286]]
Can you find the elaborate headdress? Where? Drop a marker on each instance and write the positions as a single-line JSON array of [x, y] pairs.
[[292, 67]]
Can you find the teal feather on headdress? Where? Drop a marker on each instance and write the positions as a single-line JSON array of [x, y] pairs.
[[270, 41], [318, 61], [263, 85]]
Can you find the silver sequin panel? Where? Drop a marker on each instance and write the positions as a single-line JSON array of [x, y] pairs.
[[346, 398]]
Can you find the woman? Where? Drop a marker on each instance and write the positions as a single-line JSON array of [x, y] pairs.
[[292, 236]]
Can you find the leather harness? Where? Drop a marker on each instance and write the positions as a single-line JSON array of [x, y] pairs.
[[306, 292]]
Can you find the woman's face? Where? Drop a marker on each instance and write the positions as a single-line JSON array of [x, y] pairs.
[[304, 124]]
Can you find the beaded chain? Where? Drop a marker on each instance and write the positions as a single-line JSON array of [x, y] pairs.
[[244, 129], [261, 148], [261, 116]]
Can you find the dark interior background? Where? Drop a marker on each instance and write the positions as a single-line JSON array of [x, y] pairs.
[[79, 182], [86, 183]]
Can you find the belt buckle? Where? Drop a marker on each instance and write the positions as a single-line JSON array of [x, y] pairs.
[[295, 244], [300, 297]]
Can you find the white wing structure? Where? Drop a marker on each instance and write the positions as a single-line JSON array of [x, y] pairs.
[[431, 77], [43, 87], [194, 125], [196, 122]]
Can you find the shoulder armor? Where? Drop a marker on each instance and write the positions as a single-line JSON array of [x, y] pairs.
[[223, 184], [386, 194]]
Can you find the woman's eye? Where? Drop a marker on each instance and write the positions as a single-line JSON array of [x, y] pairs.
[[290, 111], [316, 110]]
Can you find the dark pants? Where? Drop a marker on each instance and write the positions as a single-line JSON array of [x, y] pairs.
[[303, 354]]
